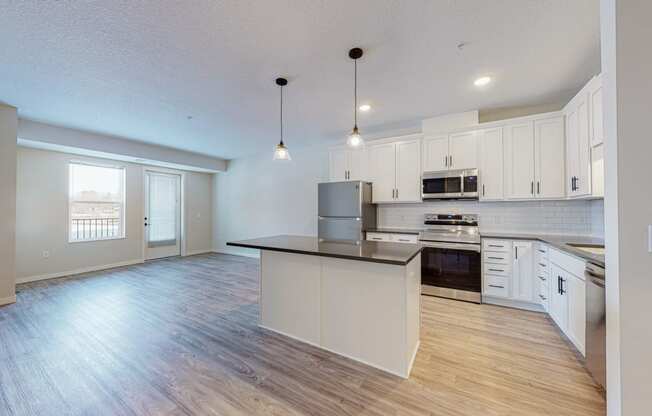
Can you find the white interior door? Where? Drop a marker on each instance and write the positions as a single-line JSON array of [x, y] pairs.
[[162, 215]]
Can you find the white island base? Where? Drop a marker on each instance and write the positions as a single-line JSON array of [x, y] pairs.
[[363, 310]]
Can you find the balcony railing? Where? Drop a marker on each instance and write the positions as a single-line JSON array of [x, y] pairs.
[[94, 228]]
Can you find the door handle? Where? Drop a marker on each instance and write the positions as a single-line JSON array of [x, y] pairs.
[[532, 187], [482, 189], [538, 188]]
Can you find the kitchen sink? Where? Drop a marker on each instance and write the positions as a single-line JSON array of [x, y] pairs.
[[591, 248]]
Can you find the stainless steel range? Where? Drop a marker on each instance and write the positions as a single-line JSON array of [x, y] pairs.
[[450, 259]]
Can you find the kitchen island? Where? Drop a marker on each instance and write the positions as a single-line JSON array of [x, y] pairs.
[[361, 300]]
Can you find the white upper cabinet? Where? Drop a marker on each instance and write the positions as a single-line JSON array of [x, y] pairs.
[[395, 170], [454, 151], [549, 158], [382, 172], [523, 271], [519, 160], [491, 164], [597, 120], [435, 154], [463, 151], [578, 146], [408, 171], [346, 164]]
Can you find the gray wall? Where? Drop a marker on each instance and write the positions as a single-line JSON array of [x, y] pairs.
[[8, 125], [626, 66], [42, 218]]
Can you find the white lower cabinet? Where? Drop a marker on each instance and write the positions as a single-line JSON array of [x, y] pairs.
[[507, 270], [568, 297]]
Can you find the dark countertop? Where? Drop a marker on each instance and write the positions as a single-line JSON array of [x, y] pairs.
[[371, 251], [560, 242], [387, 230]]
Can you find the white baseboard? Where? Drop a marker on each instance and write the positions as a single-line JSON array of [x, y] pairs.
[[8, 300], [77, 271], [238, 253], [534, 307], [196, 252]]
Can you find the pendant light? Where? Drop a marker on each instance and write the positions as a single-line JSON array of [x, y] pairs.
[[354, 139], [281, 152]]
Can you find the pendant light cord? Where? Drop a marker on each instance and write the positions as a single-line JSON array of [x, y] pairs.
[[355, 92], [281, 114]]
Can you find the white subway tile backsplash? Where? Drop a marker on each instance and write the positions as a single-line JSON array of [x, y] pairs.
[[551, 217]]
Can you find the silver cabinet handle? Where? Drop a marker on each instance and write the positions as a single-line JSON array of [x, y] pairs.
[[397, 193], [451, 158], [496, 245], [446, 161], [497, 286], [542, 297], [538, 187], [496, 258], [376, 238], [496, 270], [543, 279], [404, 240]]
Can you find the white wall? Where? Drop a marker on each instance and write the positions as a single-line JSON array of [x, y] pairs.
[[626, 66], [42, 218], [8, 123], [258, 197]]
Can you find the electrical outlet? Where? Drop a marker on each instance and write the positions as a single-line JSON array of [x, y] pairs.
[[46, 254]]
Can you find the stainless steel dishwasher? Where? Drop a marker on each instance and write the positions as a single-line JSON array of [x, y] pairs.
[[596, 334]]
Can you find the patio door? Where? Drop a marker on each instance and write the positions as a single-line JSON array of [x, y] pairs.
[[162, 215]]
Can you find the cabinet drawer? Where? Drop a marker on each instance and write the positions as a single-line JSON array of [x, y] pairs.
[[497, 269], [496, 257], [496, 286], [542, 296], [496, 245], [379, 237], [567, 262], [404, 238]]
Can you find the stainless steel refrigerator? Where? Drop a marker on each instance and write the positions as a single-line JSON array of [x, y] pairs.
[[345, 211]]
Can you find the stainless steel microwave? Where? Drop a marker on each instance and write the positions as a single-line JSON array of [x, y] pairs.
[[450, 184]]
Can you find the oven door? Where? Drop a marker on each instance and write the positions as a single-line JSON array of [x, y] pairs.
[[451, 270]]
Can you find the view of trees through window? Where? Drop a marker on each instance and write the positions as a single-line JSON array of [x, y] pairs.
[[96, 202]]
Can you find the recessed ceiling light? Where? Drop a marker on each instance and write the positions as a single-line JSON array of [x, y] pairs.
[[482, 81], [365, 107]]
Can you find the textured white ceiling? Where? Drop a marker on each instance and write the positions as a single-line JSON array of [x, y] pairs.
[[137, 69]]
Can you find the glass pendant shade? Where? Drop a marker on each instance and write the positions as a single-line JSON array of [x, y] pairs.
[[281, 152], [354, 139]]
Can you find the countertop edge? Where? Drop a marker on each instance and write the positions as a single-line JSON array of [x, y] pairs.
[[331, 255]]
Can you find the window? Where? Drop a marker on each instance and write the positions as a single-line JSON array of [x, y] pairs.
[[97, 202]]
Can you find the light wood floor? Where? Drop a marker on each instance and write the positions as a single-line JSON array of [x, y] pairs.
[[179, 337]]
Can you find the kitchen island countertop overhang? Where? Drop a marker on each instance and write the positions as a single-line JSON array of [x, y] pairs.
[[361, 301]]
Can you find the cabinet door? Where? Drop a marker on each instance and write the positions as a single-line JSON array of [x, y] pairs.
[[523, 271], [435, 153], [595, 101], [491, 164], [549, 158], [382, 171], [558, 299], [519, 161], [576, 289], [583, 181], [463, 150], [408, 171], [355, 164], [572, 150], [337, 165]]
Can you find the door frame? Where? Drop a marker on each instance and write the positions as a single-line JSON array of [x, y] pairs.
[[182, 208]]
